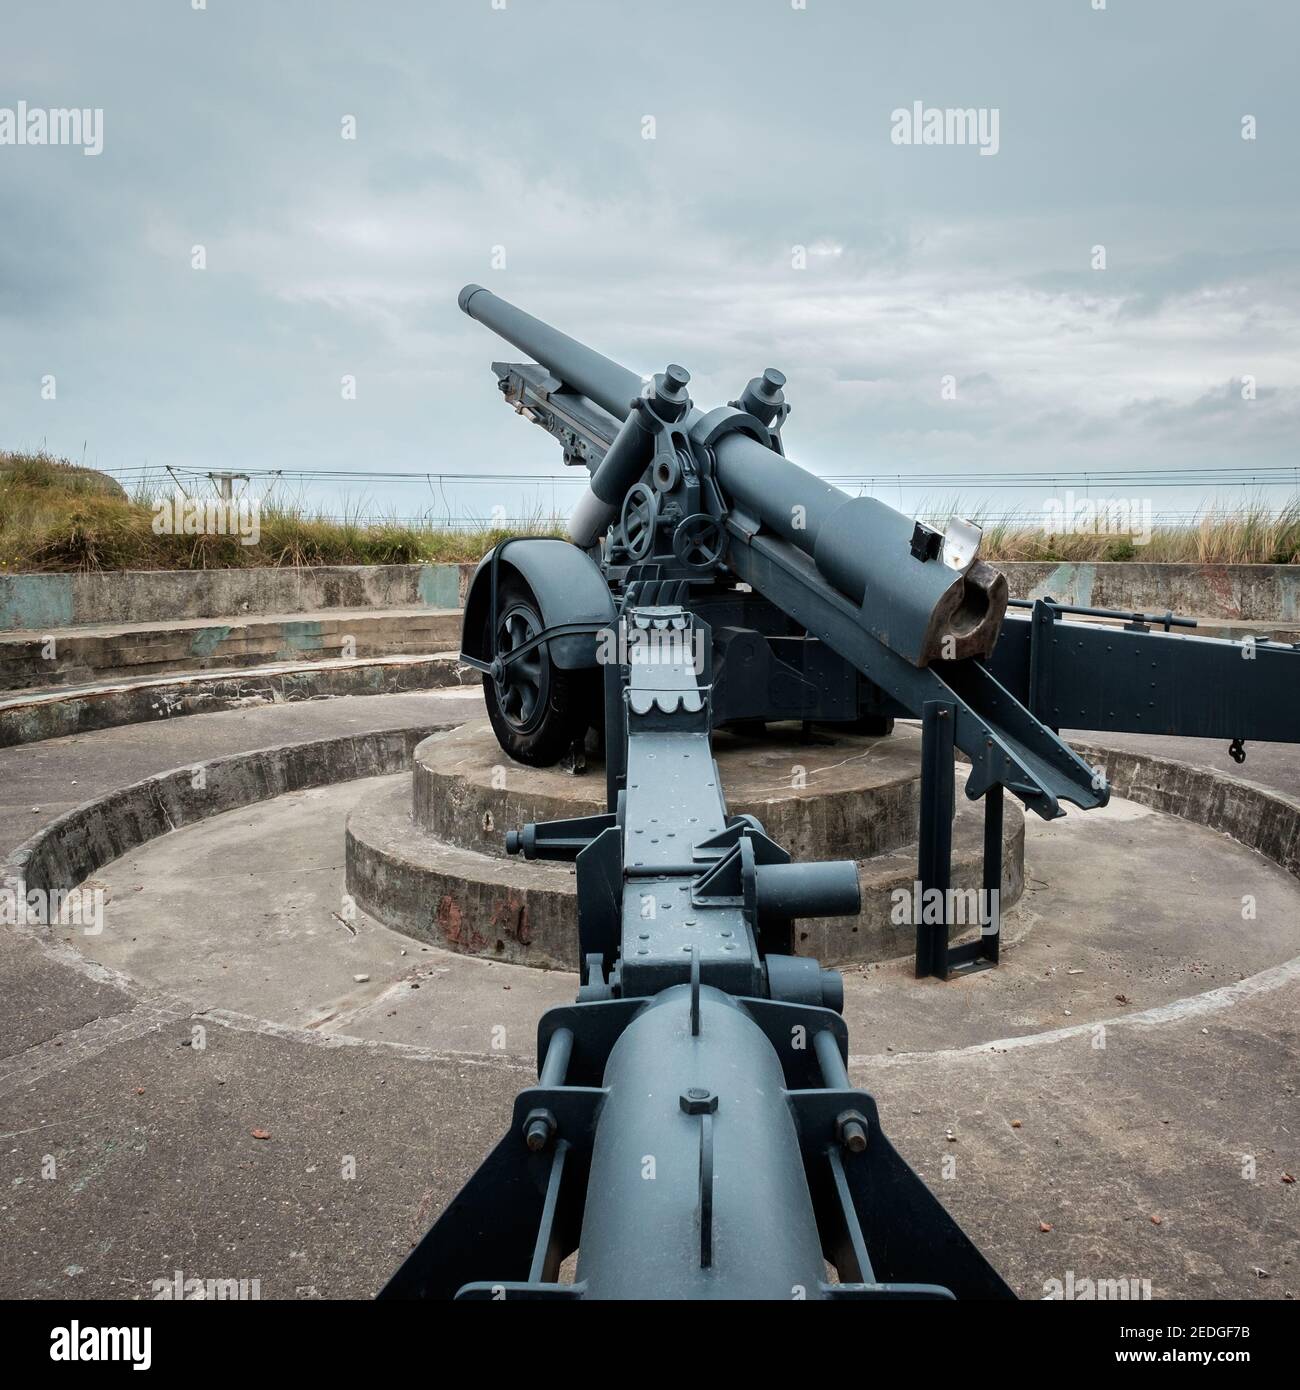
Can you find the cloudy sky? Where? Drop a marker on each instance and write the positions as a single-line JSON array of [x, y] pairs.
[[520, 124]]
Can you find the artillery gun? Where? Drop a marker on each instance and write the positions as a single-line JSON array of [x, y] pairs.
[[708, 580]]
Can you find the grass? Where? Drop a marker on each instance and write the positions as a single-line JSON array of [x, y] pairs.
[[1250, 534], [56, 516]]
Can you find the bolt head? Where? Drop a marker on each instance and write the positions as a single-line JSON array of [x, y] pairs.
[[851, 1130], [698, 1100]]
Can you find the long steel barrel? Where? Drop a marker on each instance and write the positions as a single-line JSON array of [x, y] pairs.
[[860, 545], [770, 485], [580, 368], [792, 501]]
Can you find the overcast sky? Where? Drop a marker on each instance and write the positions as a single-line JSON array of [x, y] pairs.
[[521, 127]]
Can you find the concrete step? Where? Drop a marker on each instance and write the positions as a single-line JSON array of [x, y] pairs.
[[523, 911], [28, 716], [72, 655]]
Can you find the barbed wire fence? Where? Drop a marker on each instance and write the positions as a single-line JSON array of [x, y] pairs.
[[935, 490]]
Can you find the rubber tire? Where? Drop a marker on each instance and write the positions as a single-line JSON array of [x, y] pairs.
[[566, 712]]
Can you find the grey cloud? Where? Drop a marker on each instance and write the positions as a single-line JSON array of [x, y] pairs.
[[521, 128]]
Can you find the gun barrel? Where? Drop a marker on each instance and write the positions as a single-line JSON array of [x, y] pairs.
[[791, 501], [920, 607], [581, 368]]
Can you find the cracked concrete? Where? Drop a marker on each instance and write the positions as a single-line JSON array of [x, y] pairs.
[[379, 1098]]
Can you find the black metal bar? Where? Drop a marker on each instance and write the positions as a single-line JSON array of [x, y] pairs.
[[1166, 620], [546, 1256], [494, 569], [934, 857], [982, 952], [1042, 621], [556, 1064], [861, 1271], [834, 1072], [991, 936], [615, 735], [545, 635], [706, 1191]]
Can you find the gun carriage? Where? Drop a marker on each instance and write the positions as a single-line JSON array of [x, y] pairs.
[[708, 580]]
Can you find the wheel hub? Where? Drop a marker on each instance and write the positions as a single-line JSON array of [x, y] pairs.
[[521, 685]]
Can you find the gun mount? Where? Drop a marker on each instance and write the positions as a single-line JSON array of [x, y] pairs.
[[709, 580], [699, 1046], [821, 607]]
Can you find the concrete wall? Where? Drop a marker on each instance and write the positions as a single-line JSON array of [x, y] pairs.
[[1251, 593], [69, 849], [45, 601], [1260, 818]]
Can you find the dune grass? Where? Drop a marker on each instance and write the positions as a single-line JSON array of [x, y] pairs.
[[1252, 533], [56, 516]]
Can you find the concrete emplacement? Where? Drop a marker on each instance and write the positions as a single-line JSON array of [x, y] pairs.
[[429, 860], [334, 1035]]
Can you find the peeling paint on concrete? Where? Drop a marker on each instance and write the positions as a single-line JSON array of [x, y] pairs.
[[1068, 584], [35, 600], [1240, 593], [207, 639], [1288, 583], [439, 586], [305, 636], [38, 601]]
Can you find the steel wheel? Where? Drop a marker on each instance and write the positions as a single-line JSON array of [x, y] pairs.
[[525, 684], [537, 709]]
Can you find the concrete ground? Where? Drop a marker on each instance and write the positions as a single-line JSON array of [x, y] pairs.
[[1115, 1079]]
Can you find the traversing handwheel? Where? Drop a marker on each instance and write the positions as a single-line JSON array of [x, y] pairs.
[[698, 541], [638, 520]]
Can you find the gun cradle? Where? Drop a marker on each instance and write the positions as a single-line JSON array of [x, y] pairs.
[[693, 1133]]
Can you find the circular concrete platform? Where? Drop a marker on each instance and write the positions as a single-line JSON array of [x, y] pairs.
[[813, 798], [429, 860], [1129, 915], [1125, 1055]]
